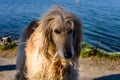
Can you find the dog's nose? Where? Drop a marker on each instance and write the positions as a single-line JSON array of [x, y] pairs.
[[68, 54]]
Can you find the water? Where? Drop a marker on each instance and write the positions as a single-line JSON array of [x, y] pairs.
[[101, 18]]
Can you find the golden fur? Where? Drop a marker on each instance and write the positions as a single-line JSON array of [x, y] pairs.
[[39, 58]]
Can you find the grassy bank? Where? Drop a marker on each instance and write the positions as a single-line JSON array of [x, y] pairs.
[[8, 50], [11, 46], [87, 51]]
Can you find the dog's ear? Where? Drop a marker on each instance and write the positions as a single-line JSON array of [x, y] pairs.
[[34, 24], [48, 29], [45, 24], [77, 37], [47, 34]]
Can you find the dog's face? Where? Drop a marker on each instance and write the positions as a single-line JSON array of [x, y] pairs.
[[63, 30], [62, 36]]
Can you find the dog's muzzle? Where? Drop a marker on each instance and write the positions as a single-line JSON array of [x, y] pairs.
[[66, 54]]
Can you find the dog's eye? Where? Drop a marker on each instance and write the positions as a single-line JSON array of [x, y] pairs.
[[57, 31]]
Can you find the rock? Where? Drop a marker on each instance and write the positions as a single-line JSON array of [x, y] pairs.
[[7, 40]]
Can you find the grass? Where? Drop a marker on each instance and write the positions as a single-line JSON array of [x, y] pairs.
[[12, 45], [8, 50], [88, 51]]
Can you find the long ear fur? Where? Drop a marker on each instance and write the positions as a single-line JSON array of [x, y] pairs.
[[77, 37], [45, 23], [23, 38], [20, 62]]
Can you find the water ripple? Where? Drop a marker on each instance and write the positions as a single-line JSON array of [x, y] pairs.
[[101, 18]]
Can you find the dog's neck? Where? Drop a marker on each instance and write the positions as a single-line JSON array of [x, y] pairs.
[[59, 68]]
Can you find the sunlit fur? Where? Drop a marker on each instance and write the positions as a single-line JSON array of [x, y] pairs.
[[40, 58], [20, 63]]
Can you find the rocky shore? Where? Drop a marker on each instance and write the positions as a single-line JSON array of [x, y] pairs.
[[7, 40]]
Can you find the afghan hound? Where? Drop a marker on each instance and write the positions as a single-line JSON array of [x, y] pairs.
[[52, 47]]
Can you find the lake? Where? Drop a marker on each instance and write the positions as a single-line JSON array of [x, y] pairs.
[[101, 18]]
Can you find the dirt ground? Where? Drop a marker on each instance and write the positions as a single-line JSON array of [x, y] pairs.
[[90, 69], [7, 69], [99, 69]]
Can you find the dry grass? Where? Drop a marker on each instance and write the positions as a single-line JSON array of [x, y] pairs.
[[94, 68], [10, 53]]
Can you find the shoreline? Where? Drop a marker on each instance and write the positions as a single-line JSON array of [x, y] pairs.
[[92, 66], [86, 51]]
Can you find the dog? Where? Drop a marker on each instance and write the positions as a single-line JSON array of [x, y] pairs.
[[52, 47]]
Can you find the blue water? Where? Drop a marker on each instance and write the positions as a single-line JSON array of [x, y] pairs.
[[101, 18]]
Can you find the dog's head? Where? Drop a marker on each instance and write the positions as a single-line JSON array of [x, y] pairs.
[[63, 29]]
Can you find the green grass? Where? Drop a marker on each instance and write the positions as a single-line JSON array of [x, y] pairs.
[[88, 51], [8, 50], [12, 45]]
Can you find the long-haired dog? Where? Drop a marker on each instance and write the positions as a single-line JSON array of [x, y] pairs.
[[53, 48]]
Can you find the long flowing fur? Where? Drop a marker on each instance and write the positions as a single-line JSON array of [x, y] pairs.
[[39, 59], [20, 63]]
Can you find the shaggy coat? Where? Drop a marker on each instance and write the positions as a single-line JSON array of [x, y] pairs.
[[53, 48]]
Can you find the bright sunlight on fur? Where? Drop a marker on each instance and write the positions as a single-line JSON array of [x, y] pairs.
[[52, 47]]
